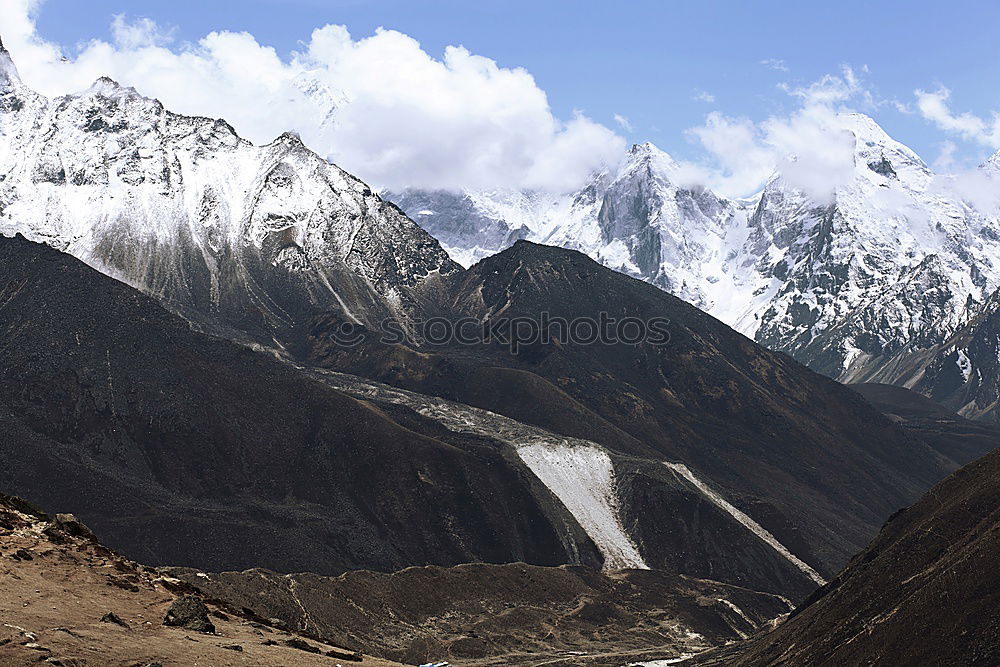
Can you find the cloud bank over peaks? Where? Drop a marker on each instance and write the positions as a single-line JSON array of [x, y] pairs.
[[812, 146], [380, 106]]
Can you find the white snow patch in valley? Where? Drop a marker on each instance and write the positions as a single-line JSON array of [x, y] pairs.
[[663, 663], [964, 365], [583, 478], [751, 525]]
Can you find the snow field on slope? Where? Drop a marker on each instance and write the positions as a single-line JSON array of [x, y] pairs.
[[583, 478], [750, 524]]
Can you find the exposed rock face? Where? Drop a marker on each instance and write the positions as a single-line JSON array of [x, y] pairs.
[[255, 240], [190, 613], [961, 372]]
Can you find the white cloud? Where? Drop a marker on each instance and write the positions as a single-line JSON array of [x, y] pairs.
[[623, 122], [933, 106], [139, 33], [945, 160], [403, 117], [775, 63], [702, 96], [810, 146]]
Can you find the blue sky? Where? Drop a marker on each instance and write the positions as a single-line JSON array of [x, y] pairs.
[[663, 66]]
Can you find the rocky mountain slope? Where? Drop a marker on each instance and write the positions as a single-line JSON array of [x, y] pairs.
[[513, 614], [67, 600], [155, 432], [184, 449], [891, 259], [740, 417], [923, 592], [961, 371], [253, 239], [960, 439]]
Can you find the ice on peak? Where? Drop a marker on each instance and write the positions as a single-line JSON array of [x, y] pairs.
[[992, 163], [9, 76], [873, 143], [863, 125], [649, 153]]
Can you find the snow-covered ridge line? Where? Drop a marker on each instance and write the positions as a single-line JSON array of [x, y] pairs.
[[894, 256], [184, 209], [752, 526], [580, 473]]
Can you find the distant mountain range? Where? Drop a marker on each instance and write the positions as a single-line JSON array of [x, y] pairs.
[[891, 264]]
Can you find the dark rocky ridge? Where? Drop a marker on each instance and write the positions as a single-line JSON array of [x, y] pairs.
[[962, 440], [180, 448], [924, 592], [167, 439], [805, 457]]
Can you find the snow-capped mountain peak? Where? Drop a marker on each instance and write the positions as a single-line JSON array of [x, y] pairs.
[[852, 250], [992, 164], [875, 152], [650, 155], [9, 77], [256, 238]]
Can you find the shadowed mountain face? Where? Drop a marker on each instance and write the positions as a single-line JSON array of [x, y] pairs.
[[156, 432], [960, 439], [923, 593], [190, 450], [805, 457], [180, 448]]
